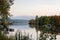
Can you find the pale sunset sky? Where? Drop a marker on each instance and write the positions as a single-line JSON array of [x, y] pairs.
[[35, 7]]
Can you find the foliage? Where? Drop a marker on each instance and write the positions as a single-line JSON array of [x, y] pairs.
[[4, 18], [46, 36], [49, 24], [4, 13]]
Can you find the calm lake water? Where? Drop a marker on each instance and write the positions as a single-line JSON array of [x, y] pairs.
[[20, 24], [23, 26]]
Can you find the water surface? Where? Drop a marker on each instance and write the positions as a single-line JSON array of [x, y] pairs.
[[23, 26]]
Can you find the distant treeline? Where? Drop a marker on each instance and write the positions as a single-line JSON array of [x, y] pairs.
[[50, 22]]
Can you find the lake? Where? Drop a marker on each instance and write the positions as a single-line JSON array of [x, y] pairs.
[[23, 26]]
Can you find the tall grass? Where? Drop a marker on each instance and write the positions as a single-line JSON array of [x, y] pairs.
[[5, 37]]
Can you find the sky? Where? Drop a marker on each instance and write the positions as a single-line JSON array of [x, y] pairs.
[[35, 7]]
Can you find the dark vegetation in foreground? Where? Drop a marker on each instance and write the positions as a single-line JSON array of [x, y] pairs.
[[4, 18], [4, 36]]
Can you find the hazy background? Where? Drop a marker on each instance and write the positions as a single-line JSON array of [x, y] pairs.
[[35, 7]]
